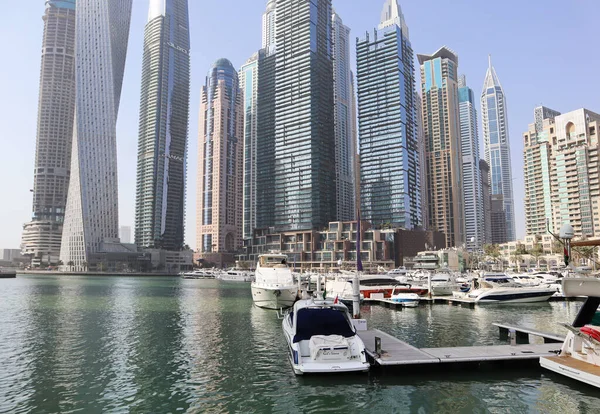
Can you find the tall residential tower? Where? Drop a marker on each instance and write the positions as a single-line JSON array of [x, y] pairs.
[[473, 198], [345, 145], [102, 33], [163, 131], [56, 108], [388, 126], [497, 149], [304, 150], [220, 162], [441, 127]]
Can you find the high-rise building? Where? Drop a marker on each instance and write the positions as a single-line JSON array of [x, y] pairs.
[[441, 126], [484, 171], [473, 198], [345, 144], [562, 172], [163, 130], [125, 234], [389, 157], [537, 157], [497, 146], [56, 108], [304, 151], [220, 162], [249, 86], [102, 33], [269, 28], [498, 219], [422, 161]]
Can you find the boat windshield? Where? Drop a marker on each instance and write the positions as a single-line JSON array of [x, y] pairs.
[[273, 261], [322, 321], [499, 279]]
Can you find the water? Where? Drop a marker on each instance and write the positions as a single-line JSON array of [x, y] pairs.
[[141, 345]]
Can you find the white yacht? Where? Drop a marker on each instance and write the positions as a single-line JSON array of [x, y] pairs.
[[525, 279], [274, 286], [579, 357], [500, 288], [322, 338], [341, 288], [406, 299], [199, 274], [442, 284], [236, 276]]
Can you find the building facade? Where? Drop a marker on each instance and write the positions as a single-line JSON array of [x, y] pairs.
[[56, 109], [304, 150], [249, 87], [345, 144], [163, 128], [497, 146], [472, 192], [441, 127], [562, 173], [484, 172], [220, 162], [387, 117], [537, 157], [102, 33]]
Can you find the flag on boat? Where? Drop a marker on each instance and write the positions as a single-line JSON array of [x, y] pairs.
[[336, 300]]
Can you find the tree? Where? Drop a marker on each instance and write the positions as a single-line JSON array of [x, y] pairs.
[[516, 255], [70, 263], [537, 252], [557, 247], [492, 251]]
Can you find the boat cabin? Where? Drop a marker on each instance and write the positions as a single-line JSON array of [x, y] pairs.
[[273, 260]]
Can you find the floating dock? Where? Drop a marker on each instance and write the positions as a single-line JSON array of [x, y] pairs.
[[385, 350], [449, 300]]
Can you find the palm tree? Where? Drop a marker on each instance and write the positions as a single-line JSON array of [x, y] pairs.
[[492, 251], [537, 252], [517, 256]]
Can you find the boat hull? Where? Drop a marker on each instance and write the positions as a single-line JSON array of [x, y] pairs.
[[274, 297], [509, 297], [569, 367], [444, 290]]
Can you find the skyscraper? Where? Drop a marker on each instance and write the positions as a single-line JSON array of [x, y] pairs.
[[388, 129], [484, 170], [473, 198], [249, 86], [102, 32], [562, 171], [163, 130], [345, 144], [537, 157], [304, 121], [441, 126], [269, 28], [56, 107], [220, 162], [497, 146]]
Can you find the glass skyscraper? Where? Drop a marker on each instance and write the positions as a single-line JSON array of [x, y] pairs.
[[163, 130], [220, 162], [441, 128], [473, 197], [304, 151], [497, 147], [345, 144], [42, 236], [388, 129], [102, 33]]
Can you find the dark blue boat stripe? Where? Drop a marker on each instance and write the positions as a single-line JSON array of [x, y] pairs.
[[518, 296]]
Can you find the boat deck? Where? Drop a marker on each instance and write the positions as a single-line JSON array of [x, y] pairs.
[[573, 363], [395, 352]]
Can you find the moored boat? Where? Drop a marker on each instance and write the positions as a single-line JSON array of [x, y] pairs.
[[579, 357], [408, 300], [7, 273], [274, 286], [500, 288], [322, 339]]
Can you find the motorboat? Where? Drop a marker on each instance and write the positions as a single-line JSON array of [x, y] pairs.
[[408, 300], [199, 274], [322, 338], [236, 276], [579, 356], [525, 279], [500, 288], [273, 287], [341, 288], [442, 284], [382, 286], [7, 273]]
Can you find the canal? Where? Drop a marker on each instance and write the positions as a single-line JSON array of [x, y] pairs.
[[141, 345]]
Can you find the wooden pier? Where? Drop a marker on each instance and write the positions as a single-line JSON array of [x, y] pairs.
[[386, 350]]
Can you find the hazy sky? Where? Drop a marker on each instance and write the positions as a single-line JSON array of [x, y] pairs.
[[544, 51]]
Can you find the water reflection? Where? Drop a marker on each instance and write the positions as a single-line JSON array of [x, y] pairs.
[[169, 345]]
